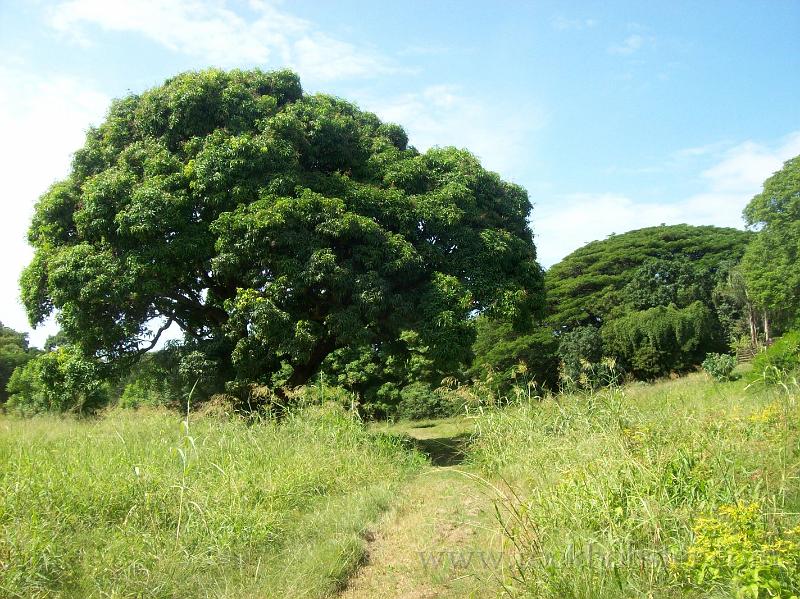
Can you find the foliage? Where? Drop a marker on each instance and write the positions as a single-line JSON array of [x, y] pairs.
[[608, 278], [771, 264], [154, 380], [14, 352], [57, 381], [661, 340], [276, 229], [736, 311], [576, 348], [664, 282], [778, 360], [507, 356], [419, 401], [736, 551], [94, 510], [720, 366]]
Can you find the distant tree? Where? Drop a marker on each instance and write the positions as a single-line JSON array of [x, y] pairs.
[[286, 234], [771, 265], [661, 340], [588, 287], [55, 341], [509, 356], [14, 352], [61, 380], [734, 305]]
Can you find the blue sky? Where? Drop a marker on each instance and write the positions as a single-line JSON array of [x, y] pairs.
[[614, 115]]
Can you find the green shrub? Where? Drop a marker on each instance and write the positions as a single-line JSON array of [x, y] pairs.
[[778, 360], [57, 381], [661, 340], [576, 349], [720, 366], [504, 357], [139, 393], [419, 401], [14, 352]]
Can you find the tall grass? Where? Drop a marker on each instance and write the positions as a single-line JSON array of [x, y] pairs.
[[634, 491], [138, 504]]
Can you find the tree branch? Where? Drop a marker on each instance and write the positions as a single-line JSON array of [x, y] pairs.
[[154, 341]]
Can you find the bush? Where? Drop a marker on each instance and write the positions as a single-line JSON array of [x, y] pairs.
[[419, 401], [57, 381], [662, 340], [504, 357], [778, 360], [577, 348], [139, 393], [14, 352], [720, 366]]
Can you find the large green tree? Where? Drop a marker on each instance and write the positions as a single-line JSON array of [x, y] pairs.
[[771, 265], [284, 233], [641, 269]]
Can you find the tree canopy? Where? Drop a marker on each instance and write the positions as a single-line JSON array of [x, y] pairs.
[[771, 265], [284, 233], [641, 269]]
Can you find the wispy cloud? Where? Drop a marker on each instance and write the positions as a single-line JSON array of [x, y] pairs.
[[566, 223], [214, 32], [562, 23], [630, 45], [443, 115]]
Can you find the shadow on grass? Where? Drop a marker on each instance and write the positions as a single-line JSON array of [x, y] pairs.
[[443, 451]]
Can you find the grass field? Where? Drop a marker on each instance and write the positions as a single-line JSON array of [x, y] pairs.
[[131, 505], [685, 488]]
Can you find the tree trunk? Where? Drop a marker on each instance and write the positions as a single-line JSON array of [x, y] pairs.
[[303, 372], [766, 327]]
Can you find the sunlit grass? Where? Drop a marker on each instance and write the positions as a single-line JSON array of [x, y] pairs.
[[93, 508], [610, 486]]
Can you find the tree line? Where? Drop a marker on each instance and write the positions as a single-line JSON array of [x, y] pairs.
[[295, 239]]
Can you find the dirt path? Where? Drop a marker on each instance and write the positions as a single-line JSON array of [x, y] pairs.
[[439, 540]]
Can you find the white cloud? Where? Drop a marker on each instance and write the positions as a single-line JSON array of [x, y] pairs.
[[566, 223], [745, 166], [441, 115], [43, 120], [561, 23], [213, 32], [633, 43]]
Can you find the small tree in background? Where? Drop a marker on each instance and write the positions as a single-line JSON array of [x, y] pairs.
[[662, 340], [14, 352], [771, 264]]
